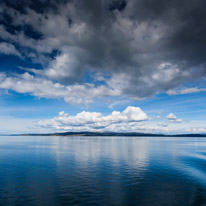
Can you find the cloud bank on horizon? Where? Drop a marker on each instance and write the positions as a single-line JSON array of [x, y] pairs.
[[129, 120], [84, 51], [92, 121]]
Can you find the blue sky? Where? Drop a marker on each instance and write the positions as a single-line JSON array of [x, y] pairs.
[[102, 66]]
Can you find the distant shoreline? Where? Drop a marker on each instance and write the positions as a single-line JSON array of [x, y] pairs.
[[112, 134]]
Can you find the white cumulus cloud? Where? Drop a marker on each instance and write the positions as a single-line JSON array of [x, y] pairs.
[[94, 120], [173, 119]]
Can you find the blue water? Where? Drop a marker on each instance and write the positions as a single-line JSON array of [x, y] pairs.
[[77, 170]]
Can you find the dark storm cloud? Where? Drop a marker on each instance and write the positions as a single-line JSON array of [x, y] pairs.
[[146, 46]]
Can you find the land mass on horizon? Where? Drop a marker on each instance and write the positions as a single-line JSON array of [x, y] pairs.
[[136, 134]]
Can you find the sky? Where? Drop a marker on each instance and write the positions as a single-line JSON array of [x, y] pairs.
[[102, 65]]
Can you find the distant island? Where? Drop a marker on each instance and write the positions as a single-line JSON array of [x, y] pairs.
[[114, 134]]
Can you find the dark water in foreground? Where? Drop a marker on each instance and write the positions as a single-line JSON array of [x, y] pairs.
[[102, 171]]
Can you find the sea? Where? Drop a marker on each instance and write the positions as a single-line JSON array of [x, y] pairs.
[[124, 170]]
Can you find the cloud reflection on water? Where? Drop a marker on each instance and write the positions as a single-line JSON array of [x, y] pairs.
[[103, 170]]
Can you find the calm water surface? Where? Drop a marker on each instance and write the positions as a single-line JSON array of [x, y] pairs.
[[102, 171]]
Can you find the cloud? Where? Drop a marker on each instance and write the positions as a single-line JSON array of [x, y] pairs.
[[163, 124], [173, 119], [198, 130], [40, 87], [64, 68], [132, 119], [171, 116], [91, 121], [145, 49], [24, 41], [159, 117], [186, 91], [8, 49]]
